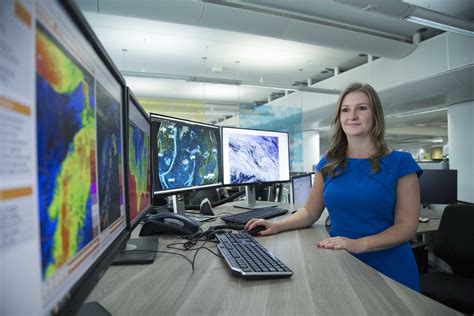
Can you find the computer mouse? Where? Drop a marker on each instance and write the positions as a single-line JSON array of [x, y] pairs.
[[254, 231], [423, 219]]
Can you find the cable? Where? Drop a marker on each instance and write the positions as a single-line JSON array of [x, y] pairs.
[[162, 251], [171, 246], [205, 236], [195, 254]]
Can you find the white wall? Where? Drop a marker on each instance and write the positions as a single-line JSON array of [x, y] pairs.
[[461, 147], [310, 150]]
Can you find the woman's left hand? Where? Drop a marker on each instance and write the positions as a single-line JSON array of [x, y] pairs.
[[336, 243]]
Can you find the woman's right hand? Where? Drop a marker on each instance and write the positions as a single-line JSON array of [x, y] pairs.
[[270, 227]]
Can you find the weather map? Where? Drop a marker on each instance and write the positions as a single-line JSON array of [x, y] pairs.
[[109, 150], [138, 170], [253, 158], [187, 155], [66, 155]]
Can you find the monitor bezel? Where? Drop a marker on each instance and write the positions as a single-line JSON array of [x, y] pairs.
[[132, 224], [309, 174], [168, 192], [253, 183], [78, 293]]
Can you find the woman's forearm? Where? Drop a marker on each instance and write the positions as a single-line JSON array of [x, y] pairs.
[[391, 237], [302, 218]]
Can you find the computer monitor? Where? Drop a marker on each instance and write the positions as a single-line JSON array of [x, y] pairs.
[[252, 157], [438, 187], [300, 188], [137, 145], [62, 193], [186, 155]]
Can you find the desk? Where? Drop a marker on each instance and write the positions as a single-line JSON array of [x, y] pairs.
[[325, 282], [430, 226]]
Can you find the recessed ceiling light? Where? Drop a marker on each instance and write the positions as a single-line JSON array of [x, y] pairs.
[[420, 113]]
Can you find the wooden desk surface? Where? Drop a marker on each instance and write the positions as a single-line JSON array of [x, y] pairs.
[[432, 224], [325, 282]]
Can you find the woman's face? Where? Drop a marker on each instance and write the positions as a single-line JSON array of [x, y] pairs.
[[356, 114]]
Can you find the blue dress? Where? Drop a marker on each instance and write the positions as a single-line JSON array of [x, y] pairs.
[[362, 203]]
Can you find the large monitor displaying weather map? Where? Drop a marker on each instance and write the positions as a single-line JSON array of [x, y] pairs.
[[254, 156], [186, 155], [139, 188], [62, 159]]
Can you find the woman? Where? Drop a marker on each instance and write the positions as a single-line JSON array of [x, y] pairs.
[[371, 193]]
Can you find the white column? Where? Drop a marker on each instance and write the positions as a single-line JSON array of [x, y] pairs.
[[461, 147], [310, 149]]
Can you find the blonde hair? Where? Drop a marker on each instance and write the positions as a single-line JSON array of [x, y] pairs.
[[336, 155]]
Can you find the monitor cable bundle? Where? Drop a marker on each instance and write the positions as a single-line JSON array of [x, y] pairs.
[[206, 236]]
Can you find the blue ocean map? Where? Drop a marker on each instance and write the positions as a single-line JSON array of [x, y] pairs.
[[187, 156], [65, 137], [253, 158]]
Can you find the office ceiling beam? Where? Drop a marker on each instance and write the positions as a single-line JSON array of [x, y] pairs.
[[217, 80], [251, 18], [420, 131], [415, 14]]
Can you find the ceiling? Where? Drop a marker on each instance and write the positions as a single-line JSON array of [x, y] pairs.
[[253, 51]]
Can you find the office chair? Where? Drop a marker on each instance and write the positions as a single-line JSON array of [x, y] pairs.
[[454, 244]]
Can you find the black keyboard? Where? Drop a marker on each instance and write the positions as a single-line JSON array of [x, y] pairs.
[[243, 218], [247, 258]]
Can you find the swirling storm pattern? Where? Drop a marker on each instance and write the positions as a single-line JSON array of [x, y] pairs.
[[65, 144], [109, 157], [187, 156], [253, 159], [138, 170]]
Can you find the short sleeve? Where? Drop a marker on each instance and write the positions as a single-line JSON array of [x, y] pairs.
[[408, 165], [321, 163]]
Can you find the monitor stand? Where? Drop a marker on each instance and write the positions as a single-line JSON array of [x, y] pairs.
[[178, 204], [424, 209], [138, 251], [251, 202]]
